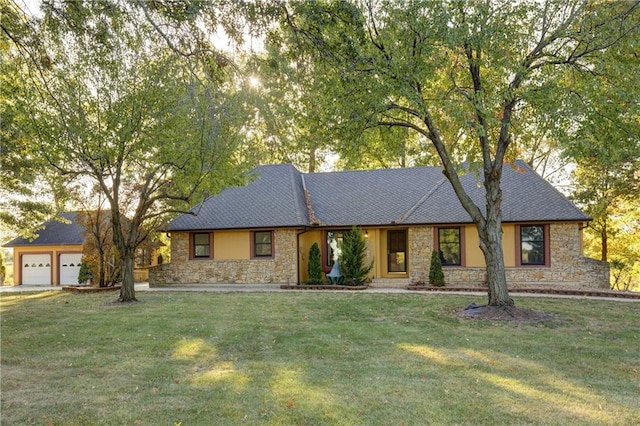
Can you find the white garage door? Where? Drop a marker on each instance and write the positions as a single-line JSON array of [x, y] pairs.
[[36, 269], [69, 268]]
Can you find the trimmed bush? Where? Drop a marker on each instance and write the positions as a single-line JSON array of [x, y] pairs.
[[436, 276], [85, 273], [314, 267]]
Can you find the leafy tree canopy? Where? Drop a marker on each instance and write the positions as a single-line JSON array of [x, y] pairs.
[[469, 79], [123, 104]]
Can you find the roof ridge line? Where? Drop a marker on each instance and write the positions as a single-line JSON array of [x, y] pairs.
[[313, 219], [294, 173], [421, 201]]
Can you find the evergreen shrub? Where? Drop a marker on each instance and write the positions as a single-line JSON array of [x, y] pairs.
[[85, 273], [352, 260], [314, 267], [436, 276]]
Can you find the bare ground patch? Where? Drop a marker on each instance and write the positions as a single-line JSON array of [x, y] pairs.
[[503, 313]]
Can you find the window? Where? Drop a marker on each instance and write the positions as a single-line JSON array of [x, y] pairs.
[[143, 257], [201, 244], [450, 246], [532, 245], [397, 250], [263, 244]]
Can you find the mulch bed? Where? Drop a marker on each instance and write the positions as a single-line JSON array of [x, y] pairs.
[[503, 313], [324, 287], [88, 289], [537, 290]]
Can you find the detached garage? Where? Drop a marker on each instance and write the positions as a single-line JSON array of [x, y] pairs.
[[54, 257]]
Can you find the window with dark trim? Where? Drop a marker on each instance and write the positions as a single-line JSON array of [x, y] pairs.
[[201, 245], [450, 246], [262, 244], [532, 245]]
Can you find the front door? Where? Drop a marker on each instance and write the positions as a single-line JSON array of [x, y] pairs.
[[397, 251]]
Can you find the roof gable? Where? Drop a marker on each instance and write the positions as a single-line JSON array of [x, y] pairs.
[[55, 232]]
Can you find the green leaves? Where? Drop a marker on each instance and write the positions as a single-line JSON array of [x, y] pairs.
[[352, 257]]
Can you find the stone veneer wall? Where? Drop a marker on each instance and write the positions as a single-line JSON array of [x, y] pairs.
[[282, 269], [568, 267], [420, 242]]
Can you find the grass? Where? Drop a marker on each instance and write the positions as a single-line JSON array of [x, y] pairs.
[[313, 359]]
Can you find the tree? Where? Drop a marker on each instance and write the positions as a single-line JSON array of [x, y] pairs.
[[314, 268], [28, 190], [604, 140], [436, 276], [623, 242], [288, 124], [99, 251], [295, 127], [459, 74], [155, 132], [84, 275], [352, 257], [3, 268]]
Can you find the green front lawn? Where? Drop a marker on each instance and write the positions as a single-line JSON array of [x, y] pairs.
[[313, 358]]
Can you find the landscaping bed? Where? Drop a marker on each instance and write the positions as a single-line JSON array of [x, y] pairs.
[[537, 290], [323, 287]]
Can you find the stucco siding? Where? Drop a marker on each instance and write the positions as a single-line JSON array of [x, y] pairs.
[[232, 245], [306, 240]]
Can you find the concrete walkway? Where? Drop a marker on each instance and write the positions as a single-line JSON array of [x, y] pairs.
[[264, 288]]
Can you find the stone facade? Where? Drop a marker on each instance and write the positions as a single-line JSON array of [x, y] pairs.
[[568, 267], [282, 269], [420, 245]]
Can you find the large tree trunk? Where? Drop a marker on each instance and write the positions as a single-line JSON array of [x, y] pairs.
[[490, 232], [312, 159], [491, 245], [102, 270], [127, 291]]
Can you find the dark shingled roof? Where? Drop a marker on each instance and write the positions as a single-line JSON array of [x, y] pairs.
[[274, 198], [55, 232], [370, 197], [281, 196], [526, 197]]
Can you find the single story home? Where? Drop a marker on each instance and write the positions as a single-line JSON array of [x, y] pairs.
[[54, 257], [262, 232]]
